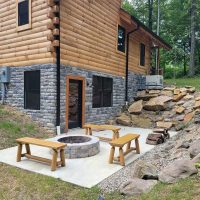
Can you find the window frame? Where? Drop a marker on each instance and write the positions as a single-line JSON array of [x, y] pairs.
[[25, 26], [118, 51], [26, 107], [144, 55], [102, 92]]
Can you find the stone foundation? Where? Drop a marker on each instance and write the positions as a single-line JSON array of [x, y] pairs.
[[15, 93], [47, 113], [93, 115]]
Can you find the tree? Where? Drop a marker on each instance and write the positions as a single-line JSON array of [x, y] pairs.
[[150, 4], [193, 40]]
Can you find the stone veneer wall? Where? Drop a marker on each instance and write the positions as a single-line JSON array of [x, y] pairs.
[[47, 113], [93, 115], [15, 93], [135, 82]]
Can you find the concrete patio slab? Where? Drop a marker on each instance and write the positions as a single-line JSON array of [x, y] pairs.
[[85, 172]]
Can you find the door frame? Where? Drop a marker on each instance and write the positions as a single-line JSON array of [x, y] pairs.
[[78, 78]]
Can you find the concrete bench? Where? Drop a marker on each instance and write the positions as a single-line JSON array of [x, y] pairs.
[[55, 146], [120, 143]]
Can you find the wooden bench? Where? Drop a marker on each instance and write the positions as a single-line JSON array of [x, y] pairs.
[[55, 146], [120, 142], [115, 130]]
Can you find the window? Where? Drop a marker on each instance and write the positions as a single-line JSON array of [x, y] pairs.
[[23, 14], [32, 90], [121, 39], [102, 92], [142, 54]]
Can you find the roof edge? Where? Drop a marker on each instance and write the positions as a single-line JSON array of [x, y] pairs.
[[148, 30]]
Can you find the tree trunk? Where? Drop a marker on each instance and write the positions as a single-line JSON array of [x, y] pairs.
[[184, 61], [158, 33], [150, 2], [193, 42]]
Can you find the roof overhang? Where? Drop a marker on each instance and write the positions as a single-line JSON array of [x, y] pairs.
[[134, 22]]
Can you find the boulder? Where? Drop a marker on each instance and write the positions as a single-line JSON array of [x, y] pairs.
[[184, 145], [188, 117], [136, 107], [170, 88], [196, 159], [157, 103], [124, 120], [197, 105], [197, 98], [177, 170], [188, 97], [178, 97], [167, 93], [141, 93], [137, 186], [141, 121], [166, 125], [183, 90], [194, 149], [191, 90], [154, 92], [145, 171], [180, 110], [177, 91], [179, 103], [180, 126], [145, 97], [189, 104], [180, 117]]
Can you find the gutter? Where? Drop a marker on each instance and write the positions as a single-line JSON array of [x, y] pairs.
[[127, 61], [58, 75]]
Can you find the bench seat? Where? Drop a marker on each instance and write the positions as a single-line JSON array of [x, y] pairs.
[[115, 130], [55, 146], [121, 142]]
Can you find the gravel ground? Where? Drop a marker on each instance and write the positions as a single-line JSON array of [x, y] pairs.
[[161, 156]]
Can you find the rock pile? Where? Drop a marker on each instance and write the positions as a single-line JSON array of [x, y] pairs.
[[171, 108]]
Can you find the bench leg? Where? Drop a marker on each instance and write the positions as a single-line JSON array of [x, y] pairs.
[[90, 131], [19, 152], [121, 156], [28, 150], [137, 146], [128, 146], [62, 157], [86, 131], [54, 160], [112, 153], [115, 135]]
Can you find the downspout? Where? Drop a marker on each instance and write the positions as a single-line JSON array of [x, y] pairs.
[[127, 62], [58, 74]]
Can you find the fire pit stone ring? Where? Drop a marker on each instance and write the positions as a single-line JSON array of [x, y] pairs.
[[80, 146]]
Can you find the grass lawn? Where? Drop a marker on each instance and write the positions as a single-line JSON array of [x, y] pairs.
[[17, 184], [181, 82]]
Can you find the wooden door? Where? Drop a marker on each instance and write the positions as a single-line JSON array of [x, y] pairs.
[[75, 102]]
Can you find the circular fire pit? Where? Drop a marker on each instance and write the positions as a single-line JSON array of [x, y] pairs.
[[79, 146]]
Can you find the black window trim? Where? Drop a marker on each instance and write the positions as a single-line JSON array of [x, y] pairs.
[[119, 51], [25, 103], [142, 55], [102, 92]]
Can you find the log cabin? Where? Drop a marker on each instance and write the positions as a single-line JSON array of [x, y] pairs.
[[72, 62]]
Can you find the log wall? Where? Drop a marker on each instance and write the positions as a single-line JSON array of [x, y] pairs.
[[89, 37], [28, 47]]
